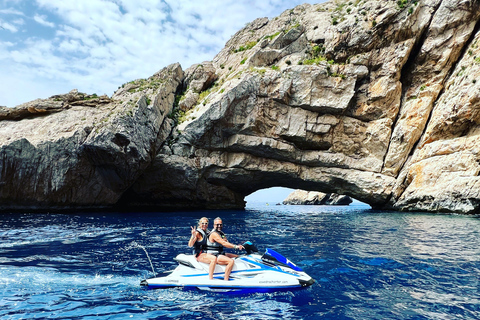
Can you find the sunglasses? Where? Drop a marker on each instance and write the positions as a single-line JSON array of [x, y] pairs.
[[219, 224]]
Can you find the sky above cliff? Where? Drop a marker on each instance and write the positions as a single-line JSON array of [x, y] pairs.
[[50, 47]]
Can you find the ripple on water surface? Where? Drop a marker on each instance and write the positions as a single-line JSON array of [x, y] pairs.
[[367, 265]]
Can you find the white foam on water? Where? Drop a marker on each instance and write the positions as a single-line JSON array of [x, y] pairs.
[[41, 279]]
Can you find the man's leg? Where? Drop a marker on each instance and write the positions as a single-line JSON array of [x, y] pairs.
[[224, 260]]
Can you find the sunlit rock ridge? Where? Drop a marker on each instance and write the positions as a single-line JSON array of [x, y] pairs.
[[377, 100], [302, 197]]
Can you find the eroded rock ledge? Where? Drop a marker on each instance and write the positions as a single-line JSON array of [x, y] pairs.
[[377, 100], [314, 198]]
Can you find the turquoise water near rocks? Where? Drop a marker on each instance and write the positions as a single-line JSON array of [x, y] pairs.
[[367, 264]]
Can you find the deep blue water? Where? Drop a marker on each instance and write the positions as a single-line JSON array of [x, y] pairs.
[[367, 265]]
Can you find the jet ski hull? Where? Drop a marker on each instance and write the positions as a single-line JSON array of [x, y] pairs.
[[251, 273]]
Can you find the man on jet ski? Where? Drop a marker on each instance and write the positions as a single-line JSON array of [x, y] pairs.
[[198, 241], [215, 246]]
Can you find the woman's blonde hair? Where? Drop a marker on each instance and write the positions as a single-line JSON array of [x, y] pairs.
[[201, 219]]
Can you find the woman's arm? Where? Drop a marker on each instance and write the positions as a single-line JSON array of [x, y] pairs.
[[193, 238]]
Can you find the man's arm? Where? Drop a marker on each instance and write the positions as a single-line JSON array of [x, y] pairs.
[[216, 238]]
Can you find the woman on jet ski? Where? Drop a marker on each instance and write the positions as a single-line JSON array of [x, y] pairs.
[[198, 241]]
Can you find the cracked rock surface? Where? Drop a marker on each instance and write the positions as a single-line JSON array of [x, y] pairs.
[[376, 100]]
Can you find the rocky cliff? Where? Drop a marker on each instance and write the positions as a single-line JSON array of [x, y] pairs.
[[377, 100], [302, 197]]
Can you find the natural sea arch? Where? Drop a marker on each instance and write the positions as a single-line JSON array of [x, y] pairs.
[[276, 195]]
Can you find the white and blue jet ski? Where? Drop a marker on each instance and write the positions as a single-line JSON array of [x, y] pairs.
[[251, 273]]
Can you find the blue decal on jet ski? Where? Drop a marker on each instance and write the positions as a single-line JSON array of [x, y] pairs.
[[233, 272]]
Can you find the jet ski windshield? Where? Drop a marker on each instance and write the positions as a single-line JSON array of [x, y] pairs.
[[272, 257]]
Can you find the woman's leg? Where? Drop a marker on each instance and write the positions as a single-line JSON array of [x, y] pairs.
[[211, 259]]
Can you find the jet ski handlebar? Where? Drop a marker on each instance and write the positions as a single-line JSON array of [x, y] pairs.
[[250, 247]]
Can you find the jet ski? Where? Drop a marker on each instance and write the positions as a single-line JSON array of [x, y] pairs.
[[251, 272]]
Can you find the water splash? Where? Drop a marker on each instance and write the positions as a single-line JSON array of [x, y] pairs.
[[136, 245]]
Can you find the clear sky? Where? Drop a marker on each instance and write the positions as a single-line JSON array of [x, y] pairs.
[[50, 47], [277, 195], [271, 195]]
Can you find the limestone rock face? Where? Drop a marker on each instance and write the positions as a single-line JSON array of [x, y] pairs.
[[85, 153], [198, 78], [376, 100], [302, 197]]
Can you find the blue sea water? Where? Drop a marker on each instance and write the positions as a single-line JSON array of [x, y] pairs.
[[367, 264]]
